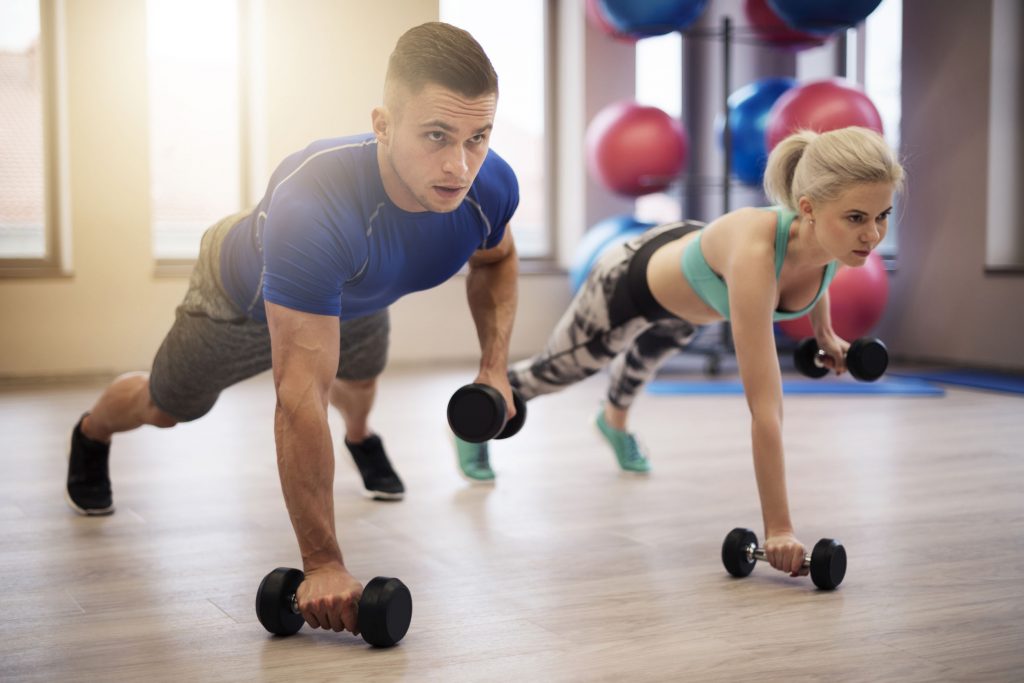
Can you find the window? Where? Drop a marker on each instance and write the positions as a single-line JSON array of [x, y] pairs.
[[873, 59], [883, 39], [881, 62], [659, 83], [195, 120], [23, 191], [513, 36]]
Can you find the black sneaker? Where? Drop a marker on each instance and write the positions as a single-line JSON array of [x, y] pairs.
[[379, 479], [88, 490]]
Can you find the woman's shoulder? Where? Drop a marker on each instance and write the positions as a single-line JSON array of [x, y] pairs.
[[746, 226]]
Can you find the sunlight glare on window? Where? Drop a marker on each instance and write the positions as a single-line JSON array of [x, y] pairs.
[[22, 167], [512, 35], [194, 113], [659, 83]]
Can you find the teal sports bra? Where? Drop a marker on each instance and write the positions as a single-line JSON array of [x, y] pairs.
[[712, 289]]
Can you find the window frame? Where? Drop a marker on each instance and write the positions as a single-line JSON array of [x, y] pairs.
[[55, 261]]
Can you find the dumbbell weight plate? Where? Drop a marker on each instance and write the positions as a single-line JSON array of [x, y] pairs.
[[476, 412], [803, 358], [867, 359], [273, 601], [734, 552], [516, 423], [828, 564], [385, 611]]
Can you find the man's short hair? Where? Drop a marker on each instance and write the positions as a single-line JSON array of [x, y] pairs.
[[442, 54]]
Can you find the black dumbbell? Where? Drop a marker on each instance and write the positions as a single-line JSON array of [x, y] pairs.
[[477, 413], [866, 359], [385, 609], [827, 561]]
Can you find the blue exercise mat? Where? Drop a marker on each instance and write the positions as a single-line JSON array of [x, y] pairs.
[[992, 381], [885, 386]]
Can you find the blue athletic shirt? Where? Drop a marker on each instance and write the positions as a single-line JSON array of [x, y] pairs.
[[326, 238]]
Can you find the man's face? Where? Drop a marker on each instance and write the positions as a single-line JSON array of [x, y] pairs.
[[431, 145]]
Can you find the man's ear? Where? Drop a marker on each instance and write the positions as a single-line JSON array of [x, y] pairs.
[[381, 120]]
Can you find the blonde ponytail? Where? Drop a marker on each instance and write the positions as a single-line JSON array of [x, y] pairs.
[[820, 166]]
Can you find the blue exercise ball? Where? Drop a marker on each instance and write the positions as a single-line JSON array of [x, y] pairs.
[[748, 118], [644, 18], [822, 17], [601, 236]]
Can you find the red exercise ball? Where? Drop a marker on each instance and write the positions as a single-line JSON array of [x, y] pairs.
[[769, 27], [635, 150], [820, 106], [857, 299]]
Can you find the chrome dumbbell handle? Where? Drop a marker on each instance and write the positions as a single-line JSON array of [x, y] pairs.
[[755, 553], [293, 603], [819, 361]]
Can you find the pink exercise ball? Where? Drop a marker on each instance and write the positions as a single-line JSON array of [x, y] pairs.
[[820, 106], [857, 300], [635, 150]]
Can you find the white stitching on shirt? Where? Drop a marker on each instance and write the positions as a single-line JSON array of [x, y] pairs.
[[483, 215], [263, 214]]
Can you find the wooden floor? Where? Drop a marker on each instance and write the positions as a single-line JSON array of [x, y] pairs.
[[565, 571]]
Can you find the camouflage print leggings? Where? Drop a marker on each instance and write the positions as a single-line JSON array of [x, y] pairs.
[[605, 327]]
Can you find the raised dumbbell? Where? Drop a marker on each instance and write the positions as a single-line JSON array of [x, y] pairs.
[[477, 413], [385, 609], [866, 359], [827, 561]]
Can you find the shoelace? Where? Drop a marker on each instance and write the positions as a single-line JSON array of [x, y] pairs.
[[633, 451]]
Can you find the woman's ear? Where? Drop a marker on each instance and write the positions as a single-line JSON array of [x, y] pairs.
[[806, 208]]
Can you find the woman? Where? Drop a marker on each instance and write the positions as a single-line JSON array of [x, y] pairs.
[[644, 300]]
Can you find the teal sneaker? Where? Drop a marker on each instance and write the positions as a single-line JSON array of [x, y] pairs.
[[627, 450], [474, 461]]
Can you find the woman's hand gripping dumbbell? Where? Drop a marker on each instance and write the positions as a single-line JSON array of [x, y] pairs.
[[477, 413], [827, 562], [866, 359], [385, 608]]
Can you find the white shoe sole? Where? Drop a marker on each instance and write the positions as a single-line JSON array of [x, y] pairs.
[[380, 495], [99, 512]]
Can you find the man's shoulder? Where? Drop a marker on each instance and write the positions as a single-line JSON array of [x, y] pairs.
[[353, 150], [496, 177], [341, 166]]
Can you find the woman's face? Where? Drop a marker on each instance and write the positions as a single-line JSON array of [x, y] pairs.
[[854, 223]]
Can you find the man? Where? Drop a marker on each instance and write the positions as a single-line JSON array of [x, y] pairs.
[[347, 226]]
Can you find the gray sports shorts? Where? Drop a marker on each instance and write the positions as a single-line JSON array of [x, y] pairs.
[[213, 344]]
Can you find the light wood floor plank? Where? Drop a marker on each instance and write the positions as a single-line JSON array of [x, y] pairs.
[[566, 570]]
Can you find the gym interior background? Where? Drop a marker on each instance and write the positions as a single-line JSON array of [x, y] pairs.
[[958, 133], [97, 300]]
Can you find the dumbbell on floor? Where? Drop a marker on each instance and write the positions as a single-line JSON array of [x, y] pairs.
[[827, 561], [385, 609], [477, 413], [866, 359]]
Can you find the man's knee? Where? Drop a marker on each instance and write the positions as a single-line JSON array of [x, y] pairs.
[[186, 410], [159, 418]]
